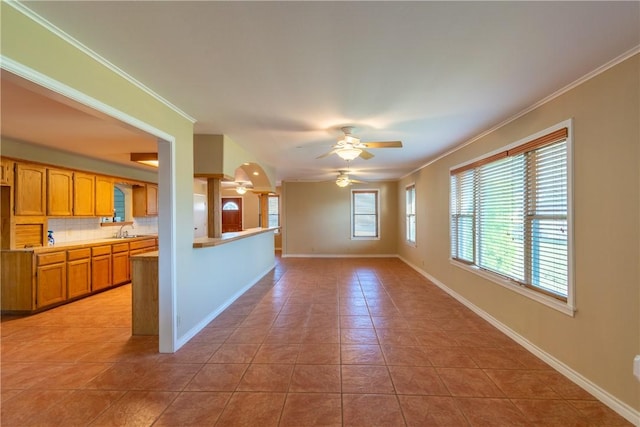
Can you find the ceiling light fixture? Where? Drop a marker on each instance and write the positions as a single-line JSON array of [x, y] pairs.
[[148, 159], [348, 153], [343, 181], [241, 189]]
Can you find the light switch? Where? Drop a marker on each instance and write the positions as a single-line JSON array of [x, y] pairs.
[[636, 367]]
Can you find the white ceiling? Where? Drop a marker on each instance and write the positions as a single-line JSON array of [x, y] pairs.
[[280, 78]]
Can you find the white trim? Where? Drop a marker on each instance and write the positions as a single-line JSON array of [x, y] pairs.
[[601, 69], [42, 80], [340, 255], [522, 290], [204, 322], [166, 229], [93, 55], [626, 411], [567, 308]]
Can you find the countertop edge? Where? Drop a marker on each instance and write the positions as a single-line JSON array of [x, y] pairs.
[[206, 242]]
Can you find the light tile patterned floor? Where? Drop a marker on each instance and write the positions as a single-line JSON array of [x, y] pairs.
[[331, 342]]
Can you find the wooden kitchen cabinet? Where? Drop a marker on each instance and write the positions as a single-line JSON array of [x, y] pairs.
[[100, 267], [120, 263], [104, 196], [6, 172], [59, 192], [30, 191], [84, 194], [145, 200], [141, 246], [51, 279], [78, 272]]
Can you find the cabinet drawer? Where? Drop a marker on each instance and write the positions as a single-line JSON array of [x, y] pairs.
[[101, 250], [74, 254], [51, 258], [119, 247], [141, 244]]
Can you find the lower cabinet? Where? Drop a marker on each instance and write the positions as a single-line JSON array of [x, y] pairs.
[[35, 280], [51, 279], [120, 263], [100, 267], [78, 272]]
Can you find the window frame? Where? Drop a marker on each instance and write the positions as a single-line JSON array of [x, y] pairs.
[[377, 213], [567, 307], [408, 215]]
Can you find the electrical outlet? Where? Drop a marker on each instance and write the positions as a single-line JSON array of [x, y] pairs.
[[636, 367]]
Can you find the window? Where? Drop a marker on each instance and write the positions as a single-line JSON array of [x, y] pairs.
[[273, 211], [364, 218], [230, 206], [411, 213], [510, 211]]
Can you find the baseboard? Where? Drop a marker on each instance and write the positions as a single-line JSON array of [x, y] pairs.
[[339, 256], [630, 414], [198, 327]]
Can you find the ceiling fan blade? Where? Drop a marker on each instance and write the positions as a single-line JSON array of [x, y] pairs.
[[327, 154], [383, 144], [366, 155], [357, 181]]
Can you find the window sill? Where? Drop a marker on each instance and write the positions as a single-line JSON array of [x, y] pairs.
[[410, 243], [550, 302], [115, 224]]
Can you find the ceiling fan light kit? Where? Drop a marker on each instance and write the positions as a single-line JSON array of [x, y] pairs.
[[350, 147], [241, 189], [348, 153]]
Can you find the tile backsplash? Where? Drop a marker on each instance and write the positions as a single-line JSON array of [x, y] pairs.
[[77, 229]]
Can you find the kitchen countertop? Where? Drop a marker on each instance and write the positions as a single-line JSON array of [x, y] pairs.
[[81, 244]]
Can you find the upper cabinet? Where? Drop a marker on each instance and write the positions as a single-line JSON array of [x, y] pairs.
[[6, 172], [59, 192], [30, 191], [145, 200], [104, 196], [83, 194]]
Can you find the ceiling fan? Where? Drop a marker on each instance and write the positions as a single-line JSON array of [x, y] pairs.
[[344, 180], [349, 147], [241, 187]]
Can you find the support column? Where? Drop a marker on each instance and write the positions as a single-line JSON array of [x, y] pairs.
[[214, 214], [264, 210]]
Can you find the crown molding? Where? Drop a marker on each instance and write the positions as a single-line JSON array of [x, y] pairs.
[[601, 69], [78, 45]]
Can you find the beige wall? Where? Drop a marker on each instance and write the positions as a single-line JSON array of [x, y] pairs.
[[601, 340], [316, 220]]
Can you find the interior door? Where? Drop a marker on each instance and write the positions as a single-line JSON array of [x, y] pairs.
[[231, 214], [199, 215]]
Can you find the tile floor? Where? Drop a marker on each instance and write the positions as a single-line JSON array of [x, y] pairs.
[[331, 342]]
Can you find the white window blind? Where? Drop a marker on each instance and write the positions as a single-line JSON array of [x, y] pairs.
[[364, 206], [411, 213], [509, 214]]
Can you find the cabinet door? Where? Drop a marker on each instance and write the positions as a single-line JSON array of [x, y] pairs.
[[78, 277], [83, 194], [59, 192], [30, 189], [120, 267], [104, 196], [6, 172], [152, 199], [51, 284], [100, 272]]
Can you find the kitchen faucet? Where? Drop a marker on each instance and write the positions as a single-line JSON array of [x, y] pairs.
[[122, 234]]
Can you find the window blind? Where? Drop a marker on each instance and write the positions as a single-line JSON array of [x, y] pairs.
[[411, 213], [509, 214], [365, 213]]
